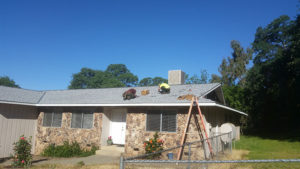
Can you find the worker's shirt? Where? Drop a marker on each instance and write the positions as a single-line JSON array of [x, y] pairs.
[[165, 85]]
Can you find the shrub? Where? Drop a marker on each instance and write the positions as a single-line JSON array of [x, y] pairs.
[[22, 152], [153, 145], [67, 150]]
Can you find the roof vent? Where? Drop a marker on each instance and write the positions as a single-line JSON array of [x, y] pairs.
[[176, 77]]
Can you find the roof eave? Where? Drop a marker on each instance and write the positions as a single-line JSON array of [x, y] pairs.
[[125, 105]]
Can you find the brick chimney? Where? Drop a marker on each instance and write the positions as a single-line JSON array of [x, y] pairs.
[[176, 77]]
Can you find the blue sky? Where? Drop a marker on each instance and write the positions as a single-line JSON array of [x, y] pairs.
[[42, 43]]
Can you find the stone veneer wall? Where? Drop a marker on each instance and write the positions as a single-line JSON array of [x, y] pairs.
[[57, 135], [136, 134]]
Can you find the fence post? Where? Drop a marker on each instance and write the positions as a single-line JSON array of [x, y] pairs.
[[189, 164], [230, 137], [204, 148], [121, 162], [217, 145]]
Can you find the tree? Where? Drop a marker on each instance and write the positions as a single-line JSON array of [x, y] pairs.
[[272, 40], [148, 81], [104, 80], [158, 80], [116, 75], [121, 72], [117, 69], [271, 84], [215, 79], [195, 79], [233, 69], [82, 80], [6, 81]]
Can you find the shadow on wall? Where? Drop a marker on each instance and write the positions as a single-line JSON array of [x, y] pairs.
[[10, 111]]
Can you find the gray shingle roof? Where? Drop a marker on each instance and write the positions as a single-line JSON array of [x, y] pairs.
[[105, 95], [9, 94]]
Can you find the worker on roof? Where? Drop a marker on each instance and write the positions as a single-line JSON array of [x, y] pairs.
[[164, 88]]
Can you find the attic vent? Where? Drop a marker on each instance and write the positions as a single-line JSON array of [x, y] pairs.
[[176, 77]]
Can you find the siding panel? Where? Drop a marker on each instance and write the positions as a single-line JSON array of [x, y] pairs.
[[15, 120]]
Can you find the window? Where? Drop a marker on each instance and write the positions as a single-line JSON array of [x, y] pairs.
[[82, 120], [52, 119], [161, 120]]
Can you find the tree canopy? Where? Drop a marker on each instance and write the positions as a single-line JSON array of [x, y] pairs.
[[116, 75], [269, 90], [233, 69], [6, 81], [148, 81], [123, 74], [272, 84], [195, 79]]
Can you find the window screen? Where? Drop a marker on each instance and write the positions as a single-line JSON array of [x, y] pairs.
[[169, 121], [52, 119], [161, 120], [153, 121], [87, 120], [47, 119], [82, 120], [76, 120]]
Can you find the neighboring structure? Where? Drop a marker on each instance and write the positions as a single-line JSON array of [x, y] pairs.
[[90, 116]]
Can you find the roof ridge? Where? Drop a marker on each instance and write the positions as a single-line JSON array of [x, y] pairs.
[[22, 89], [211, 90], [127, 87]]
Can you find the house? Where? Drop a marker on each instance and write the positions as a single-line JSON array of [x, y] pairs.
[[90, 116]]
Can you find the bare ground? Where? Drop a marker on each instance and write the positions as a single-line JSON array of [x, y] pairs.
[[236, 155]]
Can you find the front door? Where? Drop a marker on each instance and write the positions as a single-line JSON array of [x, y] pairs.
[[118, 126]]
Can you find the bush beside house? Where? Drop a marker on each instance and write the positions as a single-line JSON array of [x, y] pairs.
[[68, 150], [22, 152]]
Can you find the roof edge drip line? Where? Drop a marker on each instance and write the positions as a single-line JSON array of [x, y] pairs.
[[125, 105]]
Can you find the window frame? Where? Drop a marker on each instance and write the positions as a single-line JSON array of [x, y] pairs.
[[52, 117], [161, 112], [82, 119]]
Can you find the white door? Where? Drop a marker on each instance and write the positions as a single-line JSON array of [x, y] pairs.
[[118, 126]]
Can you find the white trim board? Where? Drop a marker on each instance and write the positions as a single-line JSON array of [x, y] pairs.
[[128, 105]]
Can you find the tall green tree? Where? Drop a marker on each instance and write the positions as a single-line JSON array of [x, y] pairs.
[[233, 69], [6, 81], [271, 84]]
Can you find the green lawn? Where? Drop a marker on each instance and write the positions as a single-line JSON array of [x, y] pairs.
[[268, 148]]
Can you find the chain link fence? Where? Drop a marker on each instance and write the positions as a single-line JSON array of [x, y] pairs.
[[221, 144], [198, 154], [224, 164]]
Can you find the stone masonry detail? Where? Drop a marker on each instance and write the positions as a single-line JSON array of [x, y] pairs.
[[136, 134], [57, 135]]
